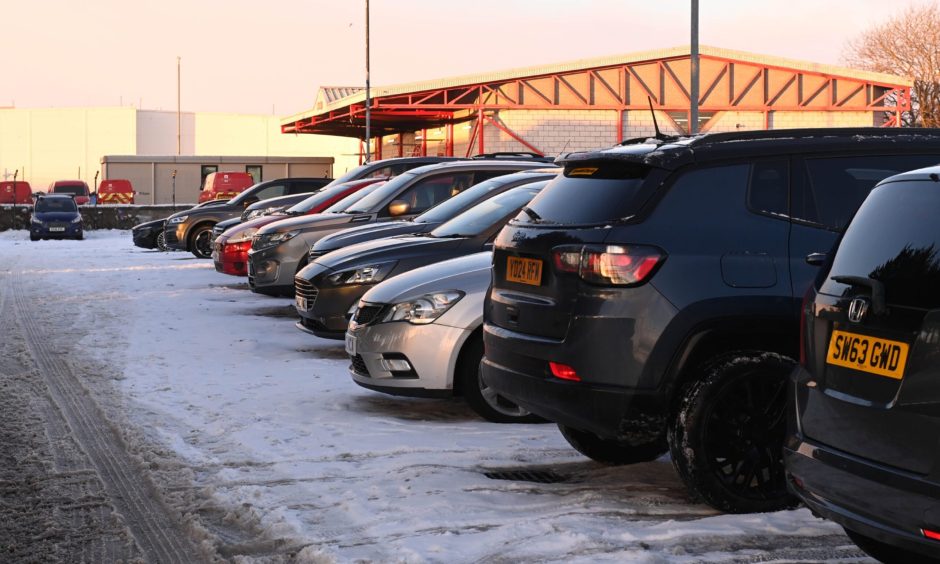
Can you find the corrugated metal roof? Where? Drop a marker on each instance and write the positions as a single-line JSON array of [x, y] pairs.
[[357, 94]]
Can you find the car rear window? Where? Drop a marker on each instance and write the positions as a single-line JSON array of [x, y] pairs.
[[588, 194], [894, 238], [72, 189]]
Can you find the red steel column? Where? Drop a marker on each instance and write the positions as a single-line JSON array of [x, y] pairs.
[[480, 148], [424, 142], [449, 145]]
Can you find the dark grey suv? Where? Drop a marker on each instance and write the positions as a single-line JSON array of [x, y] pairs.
[[648, 298], [862, 448]]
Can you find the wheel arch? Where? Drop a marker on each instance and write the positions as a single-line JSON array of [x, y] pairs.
[[191, 232], [456, 360]]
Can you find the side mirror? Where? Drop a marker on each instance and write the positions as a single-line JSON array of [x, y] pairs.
[[398, 207]]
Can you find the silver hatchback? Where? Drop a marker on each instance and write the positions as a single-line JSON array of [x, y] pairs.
[[419, 334]]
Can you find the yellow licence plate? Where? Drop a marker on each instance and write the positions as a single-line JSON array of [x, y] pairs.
[[868, 354], [523, 270]]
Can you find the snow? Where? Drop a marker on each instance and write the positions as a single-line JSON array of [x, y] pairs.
[[276, 436]]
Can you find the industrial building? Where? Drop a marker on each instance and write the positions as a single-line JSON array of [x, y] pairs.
[[599, 102], [47, 144]]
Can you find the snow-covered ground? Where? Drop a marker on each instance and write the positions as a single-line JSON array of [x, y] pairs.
[[271, 435]]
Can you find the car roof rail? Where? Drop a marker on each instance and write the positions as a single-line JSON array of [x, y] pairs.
[[513, 155]]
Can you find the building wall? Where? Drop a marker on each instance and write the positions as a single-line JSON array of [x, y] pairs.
[[65, 143]]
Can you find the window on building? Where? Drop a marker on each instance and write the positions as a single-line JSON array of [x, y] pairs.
[[204, 172], [681, 120], [254, 171]]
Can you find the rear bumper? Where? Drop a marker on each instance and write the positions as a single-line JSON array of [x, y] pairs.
[[516, 366], [874, 500]]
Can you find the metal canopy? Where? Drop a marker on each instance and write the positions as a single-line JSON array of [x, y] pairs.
[[730, 81]]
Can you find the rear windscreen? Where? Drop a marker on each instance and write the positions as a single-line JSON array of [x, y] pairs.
[[894, 238], [73, 189], [588, 194]]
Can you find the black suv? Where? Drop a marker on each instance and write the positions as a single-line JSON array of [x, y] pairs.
[[649, 297], [862, 448], [191, 230]]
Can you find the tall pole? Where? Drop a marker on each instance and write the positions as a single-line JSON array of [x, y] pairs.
[[368, 94], [179, 120], [693, 113], [13, 207]]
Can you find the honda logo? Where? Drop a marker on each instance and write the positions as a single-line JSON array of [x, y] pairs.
[[858, 309]]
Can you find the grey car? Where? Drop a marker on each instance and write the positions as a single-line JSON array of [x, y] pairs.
[[390, 334], [280, 250]]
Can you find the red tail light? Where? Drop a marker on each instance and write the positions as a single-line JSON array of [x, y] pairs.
[[931, 534], [564, 372], [610, 265]]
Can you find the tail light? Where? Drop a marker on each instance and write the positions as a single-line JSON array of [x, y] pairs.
[[564, 371], [610, 265], [931, 534]]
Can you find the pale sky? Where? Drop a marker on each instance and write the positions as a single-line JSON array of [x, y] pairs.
[[251, 56]]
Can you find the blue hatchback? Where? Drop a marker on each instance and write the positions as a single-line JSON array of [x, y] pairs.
[[55, 216]]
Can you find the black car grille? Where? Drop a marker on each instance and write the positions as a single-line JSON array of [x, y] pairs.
[[367, 314], [359, 366], [303, 288]]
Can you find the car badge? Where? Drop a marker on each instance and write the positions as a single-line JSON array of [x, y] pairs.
[[858, 309]]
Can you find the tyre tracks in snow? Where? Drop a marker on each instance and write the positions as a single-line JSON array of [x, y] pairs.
[[156, 529]]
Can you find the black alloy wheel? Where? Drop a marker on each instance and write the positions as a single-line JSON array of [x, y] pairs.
[[161, 241], [727, 436], [201, 241]]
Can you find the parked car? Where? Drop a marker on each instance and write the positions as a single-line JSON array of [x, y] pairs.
[[441, 303], [862, 446], [76, 188], [18, 192], [648, 299], [434, 216], [150, 234], [224, 185], [55, 216], [230, 248], [280, 250], [191, 230], [328, 289]]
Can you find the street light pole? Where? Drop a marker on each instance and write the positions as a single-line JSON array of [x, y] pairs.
[[13, 207], [693, 96], [368, 94]]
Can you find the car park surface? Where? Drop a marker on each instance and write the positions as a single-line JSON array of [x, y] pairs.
[[862, 445], [281, 249], [256, 433], [329, 288], [655, 284]]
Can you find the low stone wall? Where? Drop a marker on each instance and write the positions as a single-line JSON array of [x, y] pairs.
[[95, 217]]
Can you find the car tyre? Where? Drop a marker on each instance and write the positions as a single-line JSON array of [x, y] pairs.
[[887, 553], [80, 236], [161, 241], [726, 436], [482, 398], [33, 237], [608, 451], [200, 241]]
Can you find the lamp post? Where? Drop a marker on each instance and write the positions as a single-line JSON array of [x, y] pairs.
[[693, 96], [368, 94], [174, 189], [13, 207]]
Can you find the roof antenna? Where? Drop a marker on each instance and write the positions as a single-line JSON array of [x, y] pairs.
[[659, 134], [562, 152]]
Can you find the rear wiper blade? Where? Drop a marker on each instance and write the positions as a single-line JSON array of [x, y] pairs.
[[531, 213]]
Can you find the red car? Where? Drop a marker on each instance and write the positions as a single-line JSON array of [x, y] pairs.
[[78, 189], [230, 249]]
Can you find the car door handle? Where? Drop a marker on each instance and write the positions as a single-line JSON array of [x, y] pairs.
[[816, 259]]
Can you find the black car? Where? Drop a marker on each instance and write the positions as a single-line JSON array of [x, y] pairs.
[[862, 448], [191, 230], [433, 217], [648, 299], [55, 216], [330, 287], [149, 235]]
